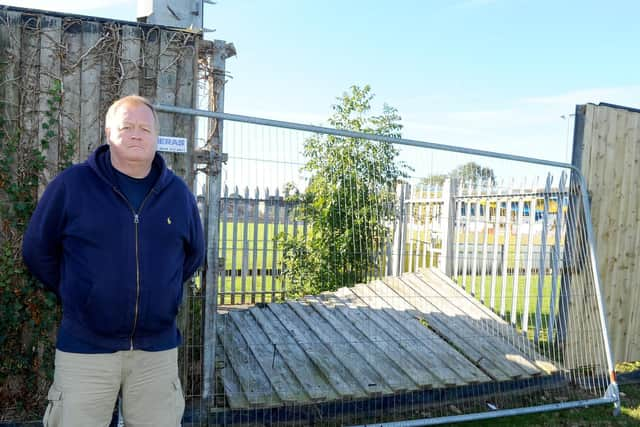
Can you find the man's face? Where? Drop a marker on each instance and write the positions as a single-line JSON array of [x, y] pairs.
[[132, 135]]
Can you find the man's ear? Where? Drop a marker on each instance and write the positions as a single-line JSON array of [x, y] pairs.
[[107, 132]]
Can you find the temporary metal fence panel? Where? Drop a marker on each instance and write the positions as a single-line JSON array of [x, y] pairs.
[[397, 304]]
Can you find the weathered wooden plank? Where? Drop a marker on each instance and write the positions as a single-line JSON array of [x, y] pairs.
[[29, 83], [166, 81], [150, 49], [50, 40], [488, 319], [181, 51], [10, 81], [414, 350], [506, 357], [131, 60], [90, 68], [254, 382], [186, 96], [312, 364], [442, 359], [456, 331], [465, 302], [382, 335], [71, 82], [109, 78], [365, 376], [333, 371], [232, 388], [373, 352], [11, 43], [268, 357], [421, 349]]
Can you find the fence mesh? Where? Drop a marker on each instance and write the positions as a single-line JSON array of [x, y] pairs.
[[366, 281]]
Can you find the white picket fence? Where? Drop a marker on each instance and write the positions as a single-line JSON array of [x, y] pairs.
[[248, 245], [501, 244]]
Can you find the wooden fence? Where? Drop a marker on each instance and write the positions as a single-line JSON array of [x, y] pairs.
[[93, 62], [606, 149]]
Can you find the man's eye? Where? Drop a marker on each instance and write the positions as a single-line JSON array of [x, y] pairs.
[[147, 130], [125, 127]]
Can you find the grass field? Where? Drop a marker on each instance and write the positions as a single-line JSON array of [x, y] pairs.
[[260, 252]]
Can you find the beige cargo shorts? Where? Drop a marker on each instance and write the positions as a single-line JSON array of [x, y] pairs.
[[86, 386]]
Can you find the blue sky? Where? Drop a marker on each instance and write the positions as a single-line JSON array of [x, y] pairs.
[[488, 74]]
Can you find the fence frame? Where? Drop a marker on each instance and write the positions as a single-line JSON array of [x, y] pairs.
[[612, 393]]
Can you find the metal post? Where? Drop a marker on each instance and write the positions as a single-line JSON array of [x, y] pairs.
[[214, 181], [448, 219], [571, 262], [398, 237]]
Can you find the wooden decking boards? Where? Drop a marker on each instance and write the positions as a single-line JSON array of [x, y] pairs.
[[415, 332]]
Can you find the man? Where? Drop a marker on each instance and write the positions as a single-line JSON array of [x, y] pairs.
[[115, 238]]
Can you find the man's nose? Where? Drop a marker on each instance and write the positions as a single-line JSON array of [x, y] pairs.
[[136, 134]]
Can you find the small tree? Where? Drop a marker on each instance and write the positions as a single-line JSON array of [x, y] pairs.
[[474, 173], [349, 199], [435, 179], [468, 172]]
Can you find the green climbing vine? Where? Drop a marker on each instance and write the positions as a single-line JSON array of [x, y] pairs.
[[29, 313]]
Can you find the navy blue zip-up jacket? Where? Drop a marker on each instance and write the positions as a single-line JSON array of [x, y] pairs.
[[119, 273]]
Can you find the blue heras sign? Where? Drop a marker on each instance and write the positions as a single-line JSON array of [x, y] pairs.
[[172, 144]]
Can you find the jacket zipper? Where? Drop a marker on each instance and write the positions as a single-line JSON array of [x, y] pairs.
[[136, 221]]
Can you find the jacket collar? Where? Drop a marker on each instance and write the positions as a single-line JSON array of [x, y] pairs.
[[100, 162]]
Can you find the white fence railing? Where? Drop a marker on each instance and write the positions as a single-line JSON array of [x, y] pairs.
[[492, 234]]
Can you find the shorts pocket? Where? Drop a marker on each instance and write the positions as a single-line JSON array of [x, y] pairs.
[[53, 414], [179, 396]]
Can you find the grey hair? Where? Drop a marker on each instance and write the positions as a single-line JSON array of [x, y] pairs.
[[133, 99]]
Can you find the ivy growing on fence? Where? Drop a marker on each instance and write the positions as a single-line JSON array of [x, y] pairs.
[[29, 313]]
